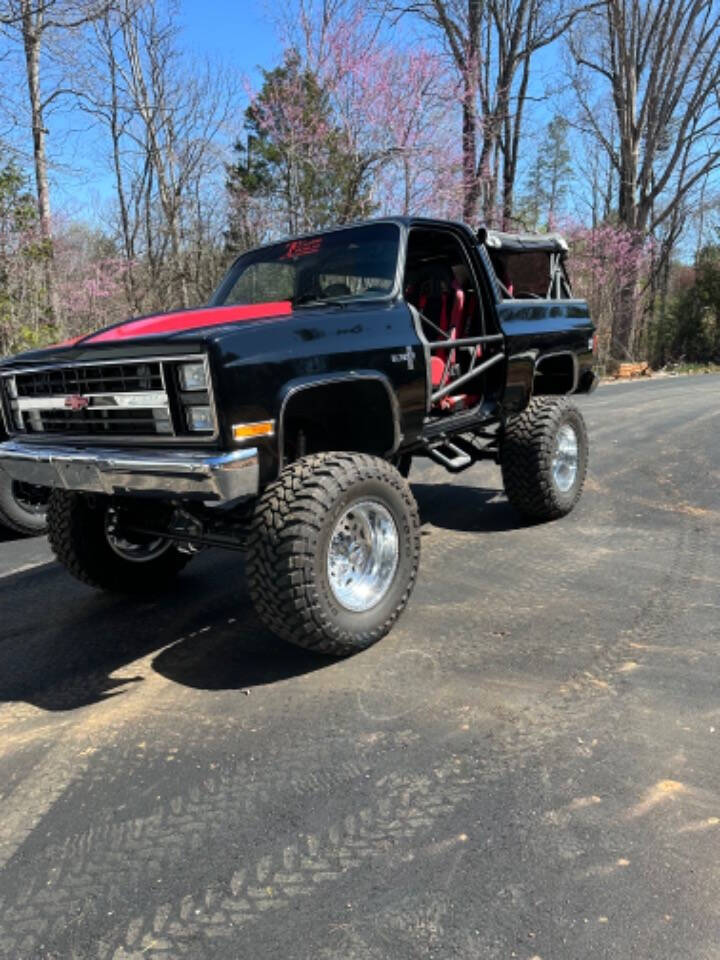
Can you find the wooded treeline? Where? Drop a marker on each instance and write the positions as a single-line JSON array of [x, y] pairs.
[[601, 119]]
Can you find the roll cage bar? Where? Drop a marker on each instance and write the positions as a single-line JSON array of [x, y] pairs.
[[460, 342]]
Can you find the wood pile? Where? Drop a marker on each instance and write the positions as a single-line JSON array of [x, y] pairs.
[[627, 371]]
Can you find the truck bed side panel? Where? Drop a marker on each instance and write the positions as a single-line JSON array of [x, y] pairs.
[[538, 328]]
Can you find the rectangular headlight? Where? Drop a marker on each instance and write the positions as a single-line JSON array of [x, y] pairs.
[[192, 376], [199, 419]]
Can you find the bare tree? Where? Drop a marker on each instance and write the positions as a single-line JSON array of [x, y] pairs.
[[32, 24], [163, 116], [182, 111], [104, 98], [491, 44], [658, 63]]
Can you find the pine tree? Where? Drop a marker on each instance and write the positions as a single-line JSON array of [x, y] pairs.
[[294, 170], [556, 168], [533, 198], [548, 180]]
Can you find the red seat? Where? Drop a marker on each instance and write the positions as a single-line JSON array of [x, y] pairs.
[[444, 362], [437, 371], [438, 296], [439, 361]]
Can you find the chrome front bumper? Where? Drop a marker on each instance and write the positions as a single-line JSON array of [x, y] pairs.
[[166, 473]]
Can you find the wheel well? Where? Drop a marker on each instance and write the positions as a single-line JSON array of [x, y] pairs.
[[556, 374], [355, 415]]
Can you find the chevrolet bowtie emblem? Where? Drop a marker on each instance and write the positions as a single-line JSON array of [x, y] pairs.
[[76, 402]]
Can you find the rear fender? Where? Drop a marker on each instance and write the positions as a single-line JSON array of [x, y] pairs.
[[556, 374]]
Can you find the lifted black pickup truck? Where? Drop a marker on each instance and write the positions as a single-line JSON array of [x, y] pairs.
[[282, 418]]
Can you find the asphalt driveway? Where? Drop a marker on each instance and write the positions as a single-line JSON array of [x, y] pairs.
[[526, 767]]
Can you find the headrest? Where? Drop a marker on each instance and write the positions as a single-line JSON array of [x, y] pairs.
[[435, 279]]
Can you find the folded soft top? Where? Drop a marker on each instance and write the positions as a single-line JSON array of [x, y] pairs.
[[497, 240]]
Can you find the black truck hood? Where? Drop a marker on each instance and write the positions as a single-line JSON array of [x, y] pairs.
[[138, 334]]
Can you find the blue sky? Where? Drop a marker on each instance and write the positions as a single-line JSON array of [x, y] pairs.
[[239, 32], [242, 35]]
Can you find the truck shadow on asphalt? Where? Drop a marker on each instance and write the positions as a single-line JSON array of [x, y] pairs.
[[64, 646], [465, 509]]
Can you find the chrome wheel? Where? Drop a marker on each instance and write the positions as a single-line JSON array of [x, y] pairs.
[[363, 556], [136, 548], [565, 458]]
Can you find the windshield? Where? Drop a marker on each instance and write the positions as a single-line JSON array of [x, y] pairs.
[[355, 263]]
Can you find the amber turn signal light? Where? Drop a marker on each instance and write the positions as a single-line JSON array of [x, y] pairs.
[[244, 431]]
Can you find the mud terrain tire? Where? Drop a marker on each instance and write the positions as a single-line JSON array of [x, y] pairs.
[[294, 543], [532, 460], [78, 537]]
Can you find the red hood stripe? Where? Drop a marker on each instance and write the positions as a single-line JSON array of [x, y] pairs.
[[191, 320]]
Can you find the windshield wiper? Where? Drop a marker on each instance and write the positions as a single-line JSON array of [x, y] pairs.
[[309, 299]]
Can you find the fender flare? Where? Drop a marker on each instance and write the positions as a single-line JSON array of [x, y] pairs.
[[300, 384], [560, 353]]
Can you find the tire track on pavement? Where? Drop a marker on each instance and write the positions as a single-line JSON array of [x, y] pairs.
[[181, 826], [160, 837], [67, 762], [29, 802], [409, 806]]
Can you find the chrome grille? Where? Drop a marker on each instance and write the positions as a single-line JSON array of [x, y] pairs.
[[87, 380], [93, 423], [126, 400]]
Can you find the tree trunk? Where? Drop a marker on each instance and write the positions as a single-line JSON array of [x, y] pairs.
[[487, 174], [624, 321], [131, 291], [32, 36], [471, 181], [511, 145], [621, 33], [150, 110], [407, 185]]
